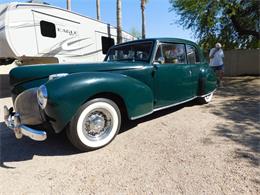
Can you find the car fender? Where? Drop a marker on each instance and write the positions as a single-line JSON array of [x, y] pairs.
[[207, 80], [67, 94]]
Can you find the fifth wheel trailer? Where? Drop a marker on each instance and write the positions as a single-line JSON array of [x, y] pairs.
[[38, 33]]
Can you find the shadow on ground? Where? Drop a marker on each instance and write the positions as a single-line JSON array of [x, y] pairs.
[[24, 149], [4, 86], [241, 109], [13, 150]]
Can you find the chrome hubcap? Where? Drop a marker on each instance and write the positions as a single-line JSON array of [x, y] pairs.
[[98, 124]]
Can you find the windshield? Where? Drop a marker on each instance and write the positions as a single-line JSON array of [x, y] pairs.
[[131, 52]]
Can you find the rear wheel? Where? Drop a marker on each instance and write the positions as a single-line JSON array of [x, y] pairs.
[[95, 125], [206, 99]]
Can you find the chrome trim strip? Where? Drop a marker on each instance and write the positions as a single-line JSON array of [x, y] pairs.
[[161, 108], [156, 46], [175, 104], [143, 115], [207, 93]]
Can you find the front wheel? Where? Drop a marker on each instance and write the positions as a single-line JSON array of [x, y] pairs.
[[95, 125]]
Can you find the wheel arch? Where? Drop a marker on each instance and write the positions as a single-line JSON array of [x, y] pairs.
[[119, 101]]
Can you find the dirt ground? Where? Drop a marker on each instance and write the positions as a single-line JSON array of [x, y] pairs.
[[188, 149]]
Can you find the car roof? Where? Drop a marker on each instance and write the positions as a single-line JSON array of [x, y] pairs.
[[173, 40]]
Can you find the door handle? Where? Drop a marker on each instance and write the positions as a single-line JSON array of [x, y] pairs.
[[155, 68]]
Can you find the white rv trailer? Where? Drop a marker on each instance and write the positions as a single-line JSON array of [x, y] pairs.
[[40, 33]]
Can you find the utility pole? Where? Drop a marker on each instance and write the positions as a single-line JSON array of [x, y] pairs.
[[69, 5], [98, 9]]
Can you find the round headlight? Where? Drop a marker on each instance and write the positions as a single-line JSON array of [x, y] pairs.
[[42, 96]]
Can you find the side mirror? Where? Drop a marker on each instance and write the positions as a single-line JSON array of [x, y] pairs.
[[161, 60]]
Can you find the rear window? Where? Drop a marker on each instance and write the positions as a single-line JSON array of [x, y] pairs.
[[48, 29]]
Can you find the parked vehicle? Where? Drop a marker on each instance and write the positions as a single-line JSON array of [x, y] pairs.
[[39, 33], [90, 100]]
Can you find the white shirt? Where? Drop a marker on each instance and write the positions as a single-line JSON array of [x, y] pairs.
[[217, 60]]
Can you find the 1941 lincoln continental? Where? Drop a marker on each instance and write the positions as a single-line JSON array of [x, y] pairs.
[[89, 101]]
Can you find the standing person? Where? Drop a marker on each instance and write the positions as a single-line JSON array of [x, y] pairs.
[[216, 56]]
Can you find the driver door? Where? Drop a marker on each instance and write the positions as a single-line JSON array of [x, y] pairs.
[[172, 80]]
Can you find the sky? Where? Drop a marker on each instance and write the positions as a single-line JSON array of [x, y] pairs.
[[159, 21]]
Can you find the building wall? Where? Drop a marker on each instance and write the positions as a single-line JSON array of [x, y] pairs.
[[242, 62]]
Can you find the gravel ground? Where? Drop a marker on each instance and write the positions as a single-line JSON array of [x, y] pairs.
[[188, 149]]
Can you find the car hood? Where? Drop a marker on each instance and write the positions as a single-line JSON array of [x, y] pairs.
[[33, 72]]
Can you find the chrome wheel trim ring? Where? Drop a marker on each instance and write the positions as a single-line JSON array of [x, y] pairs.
[[98, 124], [99, 136]]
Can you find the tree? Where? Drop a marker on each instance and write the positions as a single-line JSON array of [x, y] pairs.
[[143, 3], [69, 5], [234, 23], [119, 20], [98, 9], [133, 31]]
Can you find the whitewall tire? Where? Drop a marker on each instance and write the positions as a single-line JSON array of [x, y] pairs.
[[95, 125], [206, 99]]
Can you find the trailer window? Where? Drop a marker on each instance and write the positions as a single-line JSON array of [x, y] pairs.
[[107, 42], [48, 29]]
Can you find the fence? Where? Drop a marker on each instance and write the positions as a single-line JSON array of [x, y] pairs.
[[242, 62]]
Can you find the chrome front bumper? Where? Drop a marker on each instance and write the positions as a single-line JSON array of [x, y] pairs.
[[12, 121]]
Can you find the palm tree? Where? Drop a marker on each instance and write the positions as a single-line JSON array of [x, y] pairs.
[[143, 3], [98, 9], [69, 5], [119, 20]]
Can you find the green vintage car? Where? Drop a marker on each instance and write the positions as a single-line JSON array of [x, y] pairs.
[[90, 100]]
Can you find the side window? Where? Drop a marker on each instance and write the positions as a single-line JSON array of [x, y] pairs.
[[192, 55], [48, 29], [174, 53]]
